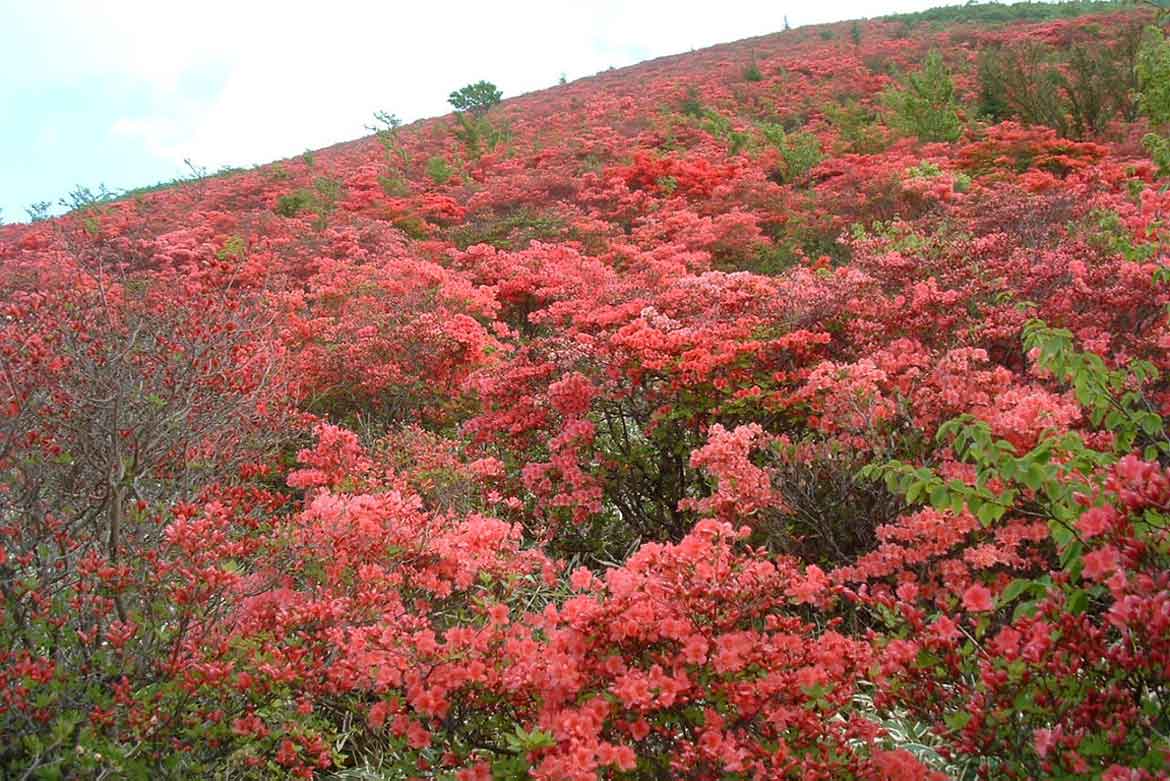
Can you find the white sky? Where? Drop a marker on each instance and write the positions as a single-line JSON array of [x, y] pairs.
[[248, 81]]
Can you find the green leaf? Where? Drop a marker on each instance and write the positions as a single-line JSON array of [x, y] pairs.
[[957, 720], [1151, 424], [990, 512], [1094, 746], [1015, 589], [974, 504], [940, 498], [1071, 556], [1061, 534], [1034, 476], [1024, 609]]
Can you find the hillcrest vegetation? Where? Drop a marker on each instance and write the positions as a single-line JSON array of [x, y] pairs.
[[789, 409]]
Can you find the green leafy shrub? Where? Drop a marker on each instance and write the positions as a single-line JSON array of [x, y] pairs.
[[439, 169], [799, 152], [924, 170], [512, 231], [691, 105], [722, 128], [1153, 76], [857, 127], [1077, 91], [478, 134], [926, 106], [1104, 542], [476, 98], [1104, 229], [471, 104], [395, 185], [413, 226], [39, 211], [1001, 13], [294, 203], [388, 133], [321, 199], [278, 173]]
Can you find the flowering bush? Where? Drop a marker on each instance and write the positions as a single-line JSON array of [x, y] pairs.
[[1042, 607], [669, 423]]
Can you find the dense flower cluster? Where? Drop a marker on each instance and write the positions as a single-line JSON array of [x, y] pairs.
[[690, 421]]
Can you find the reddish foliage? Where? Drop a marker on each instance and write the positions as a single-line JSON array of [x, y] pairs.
[[550, 468]]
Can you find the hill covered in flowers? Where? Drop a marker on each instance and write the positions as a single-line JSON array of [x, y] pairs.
[[791, 408]]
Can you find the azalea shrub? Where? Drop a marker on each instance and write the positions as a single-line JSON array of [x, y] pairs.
[[795, 420], [1042, 606]]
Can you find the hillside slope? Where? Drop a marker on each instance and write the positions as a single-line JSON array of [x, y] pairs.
[[791, 408]]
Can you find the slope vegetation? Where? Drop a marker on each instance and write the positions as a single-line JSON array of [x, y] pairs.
[[786, 409]]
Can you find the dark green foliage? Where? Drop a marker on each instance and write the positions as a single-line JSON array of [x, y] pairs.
[[439, 170], [830, 513], [1001, 13], [327, 189], [878, 63], [39, 211], [794, 241], [1105, 230], [1076, 91], [1153, 76], [81, 198], [926, 106], [657, 474], [478, 134], [994, 103], [476, 98], [691, 105], [799, 152], [857, 125], [1100, 85], [388, 132], [512, 231], [471, 105], [722, 128], [278, 173], [293, 203], [321, 200], [413, 226], [769, 260], [752, 73], [395, 185]]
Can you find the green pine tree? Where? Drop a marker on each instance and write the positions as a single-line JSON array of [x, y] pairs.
[[926, 107]]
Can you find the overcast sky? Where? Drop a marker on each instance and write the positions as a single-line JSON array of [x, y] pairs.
[[120, 92]]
